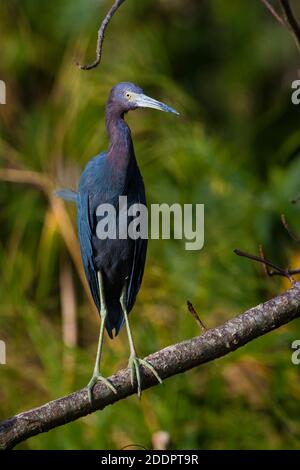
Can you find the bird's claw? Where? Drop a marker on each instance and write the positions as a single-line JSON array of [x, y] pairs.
[[92, 383], [134, 365]]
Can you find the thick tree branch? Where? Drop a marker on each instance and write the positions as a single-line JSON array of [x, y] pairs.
[[172, 360], [101, 33]]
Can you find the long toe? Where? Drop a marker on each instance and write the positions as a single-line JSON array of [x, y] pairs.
[[138, 377], [92, 383], [134, 364], [100, 378], [90, 387], [152, 369]]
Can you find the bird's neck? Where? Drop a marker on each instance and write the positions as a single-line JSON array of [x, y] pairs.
[[121, 147]]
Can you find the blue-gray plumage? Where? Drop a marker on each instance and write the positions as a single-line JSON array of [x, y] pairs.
[[113, 267]]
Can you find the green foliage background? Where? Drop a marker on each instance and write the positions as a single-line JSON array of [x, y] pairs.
[[227, 67]]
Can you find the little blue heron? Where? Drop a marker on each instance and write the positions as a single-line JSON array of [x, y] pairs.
[[114, 267]]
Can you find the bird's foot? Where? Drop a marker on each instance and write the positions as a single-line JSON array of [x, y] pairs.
[[98, 378], [134, 365]]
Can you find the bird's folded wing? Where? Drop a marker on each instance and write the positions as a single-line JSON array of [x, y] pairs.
[[135, 280], [139, 258], [85, 239]]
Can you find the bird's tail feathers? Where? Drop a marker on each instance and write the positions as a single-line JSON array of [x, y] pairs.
[[67, 195], [114, 322]]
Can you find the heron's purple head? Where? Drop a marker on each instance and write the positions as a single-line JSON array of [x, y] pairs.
[[126, 96]]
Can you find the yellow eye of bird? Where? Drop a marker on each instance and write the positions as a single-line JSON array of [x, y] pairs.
[[128, 95]]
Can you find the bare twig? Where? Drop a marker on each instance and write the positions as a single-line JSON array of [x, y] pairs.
[[214, 343], [291, 232], [288, 19], [278, 271], [267, 269], [196, 316], [274, 12], [291, 21], [267, 264], [101, 33]]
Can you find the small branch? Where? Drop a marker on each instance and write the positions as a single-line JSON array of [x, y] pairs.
[[101, 33], [196, 316], [288, 20], [291, 232], [274, 12], [291, 21], [278, 271], [213, 344], [267, 269]]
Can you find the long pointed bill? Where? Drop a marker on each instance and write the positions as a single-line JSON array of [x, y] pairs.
[[144, 101]]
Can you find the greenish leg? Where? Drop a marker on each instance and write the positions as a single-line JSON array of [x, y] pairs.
[[97, 377], [134, 361]]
